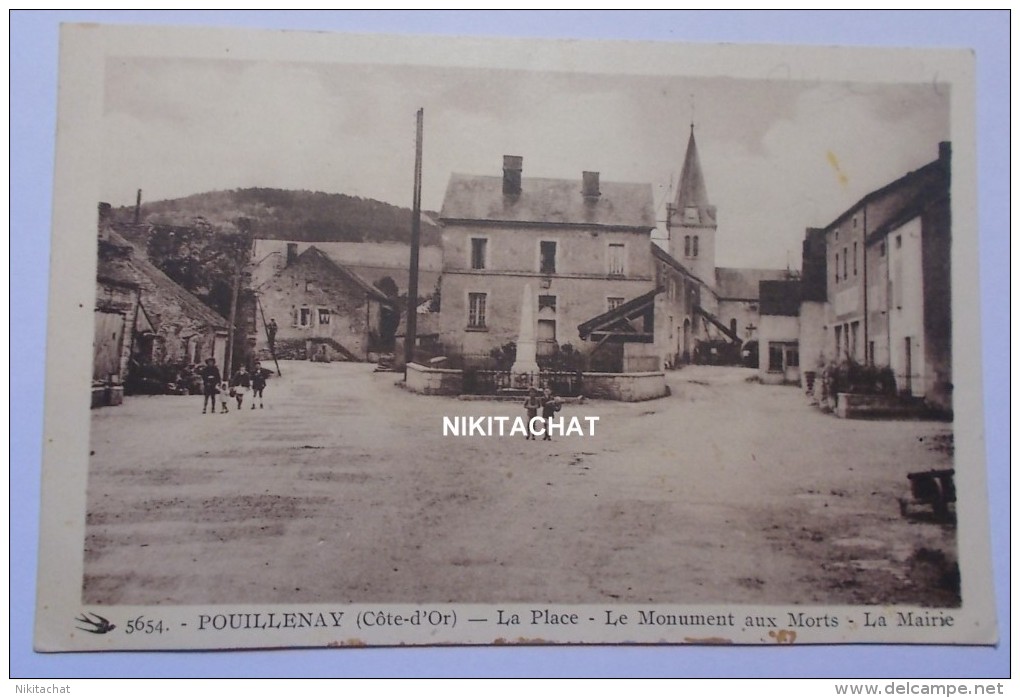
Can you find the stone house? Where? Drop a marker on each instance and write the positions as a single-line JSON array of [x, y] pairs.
[[323, 311], [164, 324], [887, 267], [581, 245]]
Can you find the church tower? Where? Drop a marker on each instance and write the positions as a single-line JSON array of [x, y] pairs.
[[691, 220]]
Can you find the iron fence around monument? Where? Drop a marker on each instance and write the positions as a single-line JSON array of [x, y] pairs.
[[480, 381]]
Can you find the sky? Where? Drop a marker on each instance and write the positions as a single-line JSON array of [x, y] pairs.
[[778, 155]]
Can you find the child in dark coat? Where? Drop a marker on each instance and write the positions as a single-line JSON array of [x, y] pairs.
[[531, 405], [258, 384], [550, 406], [210, 376]]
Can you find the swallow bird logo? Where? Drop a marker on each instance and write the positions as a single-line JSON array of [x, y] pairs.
[[97, 624]]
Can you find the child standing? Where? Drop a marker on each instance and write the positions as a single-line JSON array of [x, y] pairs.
[[258, 384], [240, 383], [210, 375], [531, 405], [550, 406]]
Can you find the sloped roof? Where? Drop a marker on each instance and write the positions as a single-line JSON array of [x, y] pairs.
[[548, 201], [125, 262], [923, 182], [616, 322], [737, 283], [669, 259], [314, 253]]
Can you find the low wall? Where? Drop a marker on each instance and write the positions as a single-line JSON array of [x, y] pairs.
[[627, 387], [434, 381], [858, 406]]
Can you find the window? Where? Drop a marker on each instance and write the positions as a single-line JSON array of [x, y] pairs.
[[687, 245], [547, 257], [881, 249], [845, 253], [613, 302], [478, 246], [304, 317], [476, 310], [855, 222], [616, 256], [792, 356], [694, 246], [855, 259], [775, 356], [839, 341], [836, 265], [323, 316], [546, 302], [899, 241]]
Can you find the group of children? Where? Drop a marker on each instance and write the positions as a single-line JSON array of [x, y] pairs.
[[240, 383], [547, 402]]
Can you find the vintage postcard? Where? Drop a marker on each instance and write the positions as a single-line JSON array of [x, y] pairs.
[[365, 340]]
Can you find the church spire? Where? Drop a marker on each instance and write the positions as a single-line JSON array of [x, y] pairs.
[[692, 191]]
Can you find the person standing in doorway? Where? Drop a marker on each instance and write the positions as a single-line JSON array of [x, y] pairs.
[[210, 376]]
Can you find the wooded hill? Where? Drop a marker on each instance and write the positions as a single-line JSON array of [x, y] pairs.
[[283, 214]]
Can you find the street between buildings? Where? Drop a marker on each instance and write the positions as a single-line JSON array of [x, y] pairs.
[[344, 490]]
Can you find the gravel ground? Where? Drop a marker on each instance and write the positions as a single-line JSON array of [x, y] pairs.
[[343, 489]]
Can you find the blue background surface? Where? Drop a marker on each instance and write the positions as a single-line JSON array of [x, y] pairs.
[[33, 91]]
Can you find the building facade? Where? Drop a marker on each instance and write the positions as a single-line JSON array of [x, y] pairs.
[[581, 246], [887, 268], [323, 311], [183, 330]]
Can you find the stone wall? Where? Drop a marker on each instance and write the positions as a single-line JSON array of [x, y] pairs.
[[434, 381], [626, 387]]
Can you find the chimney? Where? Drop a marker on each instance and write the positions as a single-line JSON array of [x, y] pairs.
[[590, 185], [512, 166], [945, 151], [138, 206]]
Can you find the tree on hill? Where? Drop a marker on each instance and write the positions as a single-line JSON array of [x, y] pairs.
[[201, 258]]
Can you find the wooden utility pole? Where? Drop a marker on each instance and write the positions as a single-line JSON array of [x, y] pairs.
[[411, 333], [232, 321]]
